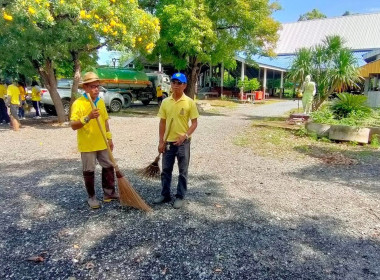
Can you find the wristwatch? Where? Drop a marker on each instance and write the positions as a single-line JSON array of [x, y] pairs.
[[86, 119], [187, 136]]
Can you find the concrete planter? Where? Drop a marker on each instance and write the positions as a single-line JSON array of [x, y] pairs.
[[373, 131], [321, 129], [349, 133]]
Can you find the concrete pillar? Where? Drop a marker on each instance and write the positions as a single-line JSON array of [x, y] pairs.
[[281, 84], [366, 85], [159, 64], [242, 78], [265, 83]]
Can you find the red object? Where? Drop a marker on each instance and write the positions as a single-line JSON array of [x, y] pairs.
[[259, 95], [43, 91]]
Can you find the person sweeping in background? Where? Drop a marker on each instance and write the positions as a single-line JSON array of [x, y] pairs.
[[175, 113], [90, 140]]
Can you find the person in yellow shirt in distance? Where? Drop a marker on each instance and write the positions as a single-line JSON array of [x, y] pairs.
[[14, 100], [21, 111], [91, 144], [3, 108], [159, 95], [36, 98]]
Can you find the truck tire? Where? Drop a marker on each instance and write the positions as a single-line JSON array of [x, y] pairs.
[[66, 106], [145, 102], [127, 100], [115, 106]]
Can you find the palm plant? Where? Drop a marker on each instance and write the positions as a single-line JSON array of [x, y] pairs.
[[302, 65], [347, 103]]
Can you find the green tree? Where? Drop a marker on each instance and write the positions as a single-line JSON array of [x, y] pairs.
[[332, 66], [199, 32], [50, 35], [313, 14]]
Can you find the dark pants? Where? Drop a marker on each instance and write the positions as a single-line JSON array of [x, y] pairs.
[[37, 107], [21, 110], [182, 153], [3, 112]]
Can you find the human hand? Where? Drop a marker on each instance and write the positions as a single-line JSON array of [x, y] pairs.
[[161, 147], [94, 114], [180, 140]]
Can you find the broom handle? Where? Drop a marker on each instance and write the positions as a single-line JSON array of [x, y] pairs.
[[104, 136]]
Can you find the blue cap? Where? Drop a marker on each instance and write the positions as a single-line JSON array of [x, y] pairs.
[[180, 77]]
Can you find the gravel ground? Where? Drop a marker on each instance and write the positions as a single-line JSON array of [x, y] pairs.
[[245, 217]]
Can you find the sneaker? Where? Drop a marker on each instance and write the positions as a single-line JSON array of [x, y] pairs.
[[23, 118], [162, 199], [38, 117], [93, 202], [178, 203]]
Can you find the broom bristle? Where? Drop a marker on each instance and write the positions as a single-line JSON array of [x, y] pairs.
[[152, 170], [15, 124], [128, 196]]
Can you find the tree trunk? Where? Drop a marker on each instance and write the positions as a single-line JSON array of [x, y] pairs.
[[192, 76], [48, 76], [76, 80]]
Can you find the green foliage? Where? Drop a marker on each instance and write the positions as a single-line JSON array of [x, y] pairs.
[[323, 115], [228, 80], [375, 143], [350, 105], [249, 85], [199, 32], [313, 14]]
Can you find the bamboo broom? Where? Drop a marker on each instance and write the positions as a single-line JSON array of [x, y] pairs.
[[153, 169], [128, 195]]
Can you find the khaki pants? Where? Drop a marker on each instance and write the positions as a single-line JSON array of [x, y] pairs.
[[89, 160]]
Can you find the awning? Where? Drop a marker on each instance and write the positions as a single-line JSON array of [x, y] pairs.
[[370, 68]]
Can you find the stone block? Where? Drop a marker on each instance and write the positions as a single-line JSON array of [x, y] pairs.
[[321, 129], [349, 133]]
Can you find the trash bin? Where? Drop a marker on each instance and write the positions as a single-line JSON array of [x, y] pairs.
[[258, 95]]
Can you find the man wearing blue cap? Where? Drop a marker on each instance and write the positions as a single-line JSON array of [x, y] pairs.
[[174, 138]]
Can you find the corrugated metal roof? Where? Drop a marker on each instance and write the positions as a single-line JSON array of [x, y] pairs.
[[361, 32]]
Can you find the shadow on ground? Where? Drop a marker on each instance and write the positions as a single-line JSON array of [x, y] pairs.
[[213, 237]]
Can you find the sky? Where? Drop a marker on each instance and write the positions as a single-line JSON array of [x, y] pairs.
[[292, 9]]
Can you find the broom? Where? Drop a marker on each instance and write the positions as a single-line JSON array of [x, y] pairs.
[[128, 196], [153, 170]]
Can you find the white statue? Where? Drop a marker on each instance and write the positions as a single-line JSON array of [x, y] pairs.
[[308, 92]]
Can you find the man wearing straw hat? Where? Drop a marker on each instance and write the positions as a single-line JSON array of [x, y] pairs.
[[90, 140], [175, 113]]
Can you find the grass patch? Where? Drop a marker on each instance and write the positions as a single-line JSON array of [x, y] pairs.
[[221, 103], [287, 144]]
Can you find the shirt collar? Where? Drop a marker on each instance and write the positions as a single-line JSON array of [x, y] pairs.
[[183, 96], [96, 100]]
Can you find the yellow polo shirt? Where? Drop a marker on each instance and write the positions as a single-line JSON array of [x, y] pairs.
[[159, 91], [3, 91], [14, 94], [181, 112], [36, 93], [89, 137], [22, 92]]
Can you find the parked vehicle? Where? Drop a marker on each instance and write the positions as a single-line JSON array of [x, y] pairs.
[[160, 79], [131, 84], [113, 101]]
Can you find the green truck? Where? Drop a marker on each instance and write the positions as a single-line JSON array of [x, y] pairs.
[[132, 84]]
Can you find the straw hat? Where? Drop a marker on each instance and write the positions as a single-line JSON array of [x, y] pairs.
[[89, 77]]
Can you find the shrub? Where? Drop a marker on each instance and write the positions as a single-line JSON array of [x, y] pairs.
[[347, 104], [323, 115]]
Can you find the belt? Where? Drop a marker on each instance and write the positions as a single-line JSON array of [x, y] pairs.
[[172, 143]]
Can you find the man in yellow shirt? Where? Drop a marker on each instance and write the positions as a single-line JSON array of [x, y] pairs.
[[36, 98], [14, 100], [175, 114], [159, 95], [3, 108], [91, 144]]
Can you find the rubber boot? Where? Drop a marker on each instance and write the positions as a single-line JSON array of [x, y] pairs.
[[108, 184], [89, 182]]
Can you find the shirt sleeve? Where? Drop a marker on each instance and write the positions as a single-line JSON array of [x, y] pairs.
[[162, 112], [193, 111], [75, 114]]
